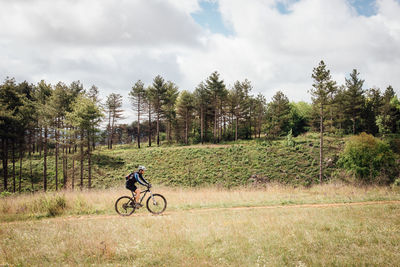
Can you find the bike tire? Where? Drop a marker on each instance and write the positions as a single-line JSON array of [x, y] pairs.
[[125, 206], [156, 204]]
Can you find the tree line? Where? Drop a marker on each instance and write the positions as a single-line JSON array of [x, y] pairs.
[[64, 121]]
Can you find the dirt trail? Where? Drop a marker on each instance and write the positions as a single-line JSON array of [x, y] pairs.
[[199, 210]]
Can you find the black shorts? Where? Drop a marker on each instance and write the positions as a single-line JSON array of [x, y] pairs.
[[131, 185], [133, 188]]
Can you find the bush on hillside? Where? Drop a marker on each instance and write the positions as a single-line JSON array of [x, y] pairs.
[[369, 158]]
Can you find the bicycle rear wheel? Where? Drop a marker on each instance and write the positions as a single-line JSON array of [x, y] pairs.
[[125, 206], [156, 204]]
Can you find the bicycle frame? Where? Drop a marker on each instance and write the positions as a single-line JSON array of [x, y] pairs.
[[144, 193]]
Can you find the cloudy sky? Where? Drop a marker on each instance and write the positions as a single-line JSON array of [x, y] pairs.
[[273, 43]]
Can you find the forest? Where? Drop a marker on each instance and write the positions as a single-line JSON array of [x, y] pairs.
[[69, 122]]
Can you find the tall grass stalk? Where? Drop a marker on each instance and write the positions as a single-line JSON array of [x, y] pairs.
[[27, 206]]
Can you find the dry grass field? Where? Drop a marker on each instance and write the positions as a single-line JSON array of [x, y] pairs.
[[201, 229]]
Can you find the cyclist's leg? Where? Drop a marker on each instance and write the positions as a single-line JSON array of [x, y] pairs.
[[137, 196]]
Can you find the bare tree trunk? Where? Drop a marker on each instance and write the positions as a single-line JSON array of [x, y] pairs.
[[236, 128], [149, 126], [13, 164], [232, 134], [250, 123], [109, 129], [138, 125], [5, 163], [56, 154], [45, 161], [20, 167], [224, 126], [169, 131], [321, 150], [112, 131], [202, 124], [186, 129], [215, 126], [73, 173], [168, 127], [40, 147], [75, 149], [93, 139], [30, 158], [81, 158], [221, 115], [89, 162], [73, 166], [158, 128], [65, 164]]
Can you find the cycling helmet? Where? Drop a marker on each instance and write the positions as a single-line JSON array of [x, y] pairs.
[[141, 168]]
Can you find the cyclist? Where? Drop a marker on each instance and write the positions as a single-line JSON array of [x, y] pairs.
[[131, 180]]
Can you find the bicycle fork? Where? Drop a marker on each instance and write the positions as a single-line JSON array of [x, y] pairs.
[[152, 198]]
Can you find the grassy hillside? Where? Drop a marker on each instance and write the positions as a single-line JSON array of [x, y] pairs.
[[226, 165]]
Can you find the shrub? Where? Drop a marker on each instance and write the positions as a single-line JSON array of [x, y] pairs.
[[369, 158], [52, 206], [5, 194], [289, 139]]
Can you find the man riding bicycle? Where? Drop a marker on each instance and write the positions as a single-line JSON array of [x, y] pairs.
[[131, 180]]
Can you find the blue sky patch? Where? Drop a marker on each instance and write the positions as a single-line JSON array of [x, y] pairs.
[[210, 18], [283, 6], [365, 8]]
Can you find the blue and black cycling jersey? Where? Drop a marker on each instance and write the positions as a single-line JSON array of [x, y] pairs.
[[137, 177]]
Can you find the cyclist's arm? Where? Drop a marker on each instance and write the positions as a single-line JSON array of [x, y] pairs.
[[141, 180], [144, 180]]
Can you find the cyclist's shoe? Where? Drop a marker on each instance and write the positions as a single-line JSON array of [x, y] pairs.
[[138, 205]]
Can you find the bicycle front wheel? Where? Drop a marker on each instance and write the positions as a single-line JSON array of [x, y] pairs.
[[125, 206], [156, 204]]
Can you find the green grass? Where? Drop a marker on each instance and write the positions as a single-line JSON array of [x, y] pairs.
[[199, 228], [27, 207], [339, 236]]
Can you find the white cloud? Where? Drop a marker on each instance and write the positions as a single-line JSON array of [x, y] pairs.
[[114, 43], [278, 51]]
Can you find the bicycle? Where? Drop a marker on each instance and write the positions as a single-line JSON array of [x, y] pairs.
[[156, 203]]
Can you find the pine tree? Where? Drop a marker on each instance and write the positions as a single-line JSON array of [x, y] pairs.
[[85, 116], [371, 108], [157, 95], [217, 90], [185, 108], [338, 108], [149, 110], [236, 105], [388, 113], [259, 113], [322, 87], [354, 98], [11, 102], [113, 108], [279, 114], [202, 100], [171, 96], [137, 96], [43, 94]]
